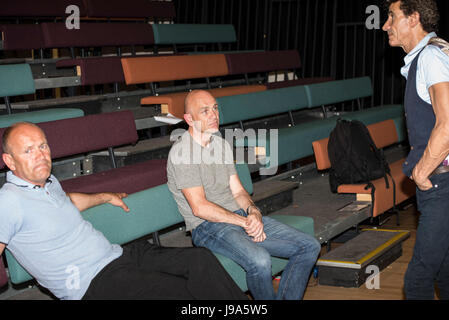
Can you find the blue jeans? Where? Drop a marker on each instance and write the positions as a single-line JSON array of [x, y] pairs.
[[430, 261], [255, 257]]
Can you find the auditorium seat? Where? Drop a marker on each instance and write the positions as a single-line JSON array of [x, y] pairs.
[[196, 34], [21, 36], [56, 35], [15, 80], [39, 9], [246, 63], [105, 131], [159, 10]]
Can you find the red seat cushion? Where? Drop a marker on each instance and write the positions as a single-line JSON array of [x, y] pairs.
[[129, 179]]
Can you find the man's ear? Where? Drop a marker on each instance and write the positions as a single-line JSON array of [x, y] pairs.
[[188, 118], [9, 161], [414, 19]]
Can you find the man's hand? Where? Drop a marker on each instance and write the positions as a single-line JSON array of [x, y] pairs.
[[423, 183], [84, 201], [254, 225], [116, 200]]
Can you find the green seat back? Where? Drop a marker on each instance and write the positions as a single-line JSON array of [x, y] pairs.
[[296, 142], [326, 93], [15, 80], [193, 33], [253, 105], [40, 116]]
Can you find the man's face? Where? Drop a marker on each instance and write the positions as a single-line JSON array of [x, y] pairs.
[[29, 157], [397, 26], [204, 113]]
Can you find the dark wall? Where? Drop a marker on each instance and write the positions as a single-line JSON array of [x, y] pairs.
[[354, 11], [330, 36]]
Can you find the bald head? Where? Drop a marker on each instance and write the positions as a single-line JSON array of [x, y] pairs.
[[201, 111], [194, 99], [10, 131], [26, 152]]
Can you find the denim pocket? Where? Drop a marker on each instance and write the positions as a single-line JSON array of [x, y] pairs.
[[428, 190], [434, 181]]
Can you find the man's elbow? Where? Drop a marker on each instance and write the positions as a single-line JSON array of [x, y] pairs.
[[198, 208], [443, 128]]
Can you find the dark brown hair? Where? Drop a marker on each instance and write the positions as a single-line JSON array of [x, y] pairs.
[[427, 9]]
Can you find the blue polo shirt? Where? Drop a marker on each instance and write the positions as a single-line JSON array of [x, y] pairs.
[[47, 235]]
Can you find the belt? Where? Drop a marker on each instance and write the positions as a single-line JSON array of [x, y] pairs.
[[439, 170]]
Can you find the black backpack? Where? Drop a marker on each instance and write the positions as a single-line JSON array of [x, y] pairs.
[[354, 157]]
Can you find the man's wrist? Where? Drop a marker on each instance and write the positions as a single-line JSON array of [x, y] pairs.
[[251, 208]]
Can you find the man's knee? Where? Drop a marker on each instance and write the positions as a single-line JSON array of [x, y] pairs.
[[315, 247], [259, 261]]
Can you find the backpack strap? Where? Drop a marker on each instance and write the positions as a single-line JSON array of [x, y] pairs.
[[374, 147], [387, 171], [371, 186], [440, 43], [394, 191]]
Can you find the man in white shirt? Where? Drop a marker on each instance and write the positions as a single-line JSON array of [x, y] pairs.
[[411, 25]]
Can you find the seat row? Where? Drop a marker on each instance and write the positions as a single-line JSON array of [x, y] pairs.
[[56, 35], [295, 141], [152, 210], [92, 9], [18, 79], [145, 181]]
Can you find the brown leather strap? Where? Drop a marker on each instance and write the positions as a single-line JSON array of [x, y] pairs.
[[439, 170]]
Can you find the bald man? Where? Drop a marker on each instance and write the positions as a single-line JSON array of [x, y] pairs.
[[42, 227], [220, 213]]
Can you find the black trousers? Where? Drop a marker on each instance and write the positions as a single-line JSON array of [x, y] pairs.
[[145, 271]]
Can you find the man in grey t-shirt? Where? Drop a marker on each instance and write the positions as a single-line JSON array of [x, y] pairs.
[[185, 171], [220, 213]]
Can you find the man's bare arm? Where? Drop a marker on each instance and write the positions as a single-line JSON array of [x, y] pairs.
[[254, 226], [206, 210], [2, 248], [84, 201], [438, 147]]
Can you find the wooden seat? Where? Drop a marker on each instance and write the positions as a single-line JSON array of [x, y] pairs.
[[169, 68], [174, 103], [82, 135]]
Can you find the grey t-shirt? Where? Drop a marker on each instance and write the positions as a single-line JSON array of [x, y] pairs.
[[191, 165]]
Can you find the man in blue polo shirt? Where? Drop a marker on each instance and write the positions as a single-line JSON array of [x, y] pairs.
[[411, 25], [42, 227]]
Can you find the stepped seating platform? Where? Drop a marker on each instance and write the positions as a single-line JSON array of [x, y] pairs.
[[295, 140], [312, 199], [153, 210], [349, 264]]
